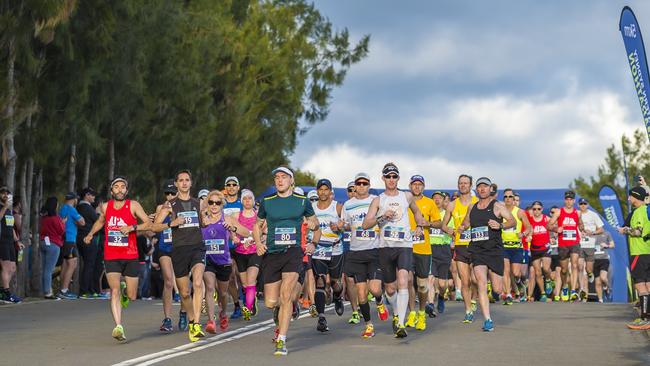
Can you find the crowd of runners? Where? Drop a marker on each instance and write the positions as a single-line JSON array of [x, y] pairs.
[[401, 250]]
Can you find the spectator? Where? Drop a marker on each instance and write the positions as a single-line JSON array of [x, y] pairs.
[[72, 219], [145, 249], [8, 243], [88, 288], [51, 234]]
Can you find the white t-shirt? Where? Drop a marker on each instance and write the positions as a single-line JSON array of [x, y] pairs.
[[591, 221]]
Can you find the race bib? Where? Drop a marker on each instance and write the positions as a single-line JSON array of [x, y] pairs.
[[167, 236], [394, 234], [117, 239], [417, 239], [285, 236], [480, 233], [569, 234], [323, 253], [436, 233], [365, 234], [214, 246], [554, 244], [466, 235], [346, 236], [191, 219], [9, 220]]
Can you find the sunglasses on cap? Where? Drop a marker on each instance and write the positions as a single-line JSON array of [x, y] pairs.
[[214, 203]]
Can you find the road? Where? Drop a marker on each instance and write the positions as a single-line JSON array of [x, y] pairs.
[[78, 333]]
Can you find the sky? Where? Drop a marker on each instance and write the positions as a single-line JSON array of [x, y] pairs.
[[528, 93]]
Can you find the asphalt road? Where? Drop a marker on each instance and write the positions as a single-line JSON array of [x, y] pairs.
[[79, 333]]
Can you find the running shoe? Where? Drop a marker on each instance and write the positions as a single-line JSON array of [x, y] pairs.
[[401, 332], [459, 296], [395, 322], [182, 321], [556, 298], [441, 305], [322, 325], [355, 318], [254, 309], [14, 299], [369, 332], [295, 313], [102, 296], [608, 294], [421, 323], [280, 348], [383, 313], [590, 275], [508, 300], [312, 311], [236, 314], [565, 294], [543, 298], [338, 306], [124, 300], [86, 296], [247, 313], [429, 309], [639, 324], [305, 304], [211, 327], [276, 315], [118, 333], [574, 295], [370, 297], [51, 297], [166, 325], [474, 306], [547, 287], [488, 325], [411, 319], [223, 320], [63, 295], [469, 318], [195, 332], [176, 297]]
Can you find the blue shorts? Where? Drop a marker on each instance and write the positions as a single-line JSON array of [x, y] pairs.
[[515, 255]]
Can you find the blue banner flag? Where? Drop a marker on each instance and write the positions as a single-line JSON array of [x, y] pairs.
[[621, 284], [633, 41]]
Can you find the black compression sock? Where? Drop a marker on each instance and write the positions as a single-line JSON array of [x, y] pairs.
[[319, 299]]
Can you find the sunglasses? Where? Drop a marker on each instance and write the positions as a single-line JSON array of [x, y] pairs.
[[169, 193], [213, 203], [232, 185], [362, 184], [350, 190], [583, 204], [391, 176], [537, 208], [509, 196], [313, 199]]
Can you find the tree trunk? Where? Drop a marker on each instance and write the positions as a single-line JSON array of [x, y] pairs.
[[111, 159], [86, 176], [26, 180], [9, 153], [35, 258], [71, 168]]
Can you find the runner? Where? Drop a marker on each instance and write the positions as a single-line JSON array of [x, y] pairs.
[[514, 254], [389, 211], [593, 226], [246, 258], [350, 287], [232, 208], [165, 249], [637, 228], [119, 219], [604, 243], [421, 254], [440, 254], [188, 249], [218, 264], [568, 222], [69, 251], [283, 212], [8, 239], [556, 268], [458, 210], [362, 261], [487, 218], [327, 259], [540, 253]]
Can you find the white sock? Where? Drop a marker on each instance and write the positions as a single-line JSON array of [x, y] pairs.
[[282, 337], [402, 304], [392, 301]]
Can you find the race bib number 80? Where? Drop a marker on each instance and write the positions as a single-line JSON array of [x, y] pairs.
[[285, 236]]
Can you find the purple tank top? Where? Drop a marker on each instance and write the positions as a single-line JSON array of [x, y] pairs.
[[215, 238]]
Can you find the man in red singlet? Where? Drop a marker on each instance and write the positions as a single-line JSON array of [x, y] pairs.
[[119, 218]]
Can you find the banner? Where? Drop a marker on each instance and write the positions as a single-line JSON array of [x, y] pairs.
[[633, 41], [621, 285]]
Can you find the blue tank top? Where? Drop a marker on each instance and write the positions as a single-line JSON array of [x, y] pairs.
[[215, 238], [165, 238]]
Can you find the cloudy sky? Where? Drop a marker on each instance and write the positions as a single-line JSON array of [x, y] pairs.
[[528, 93]]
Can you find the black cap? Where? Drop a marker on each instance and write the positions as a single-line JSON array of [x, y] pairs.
[[582, 200], [170, 187], [390, 168], [86, 191], [570, 194], [324, 182], [638, 193], [70, 196]]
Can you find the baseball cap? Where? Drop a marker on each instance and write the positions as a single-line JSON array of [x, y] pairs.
[[638, 193], [351, 184], [203, 193], [361, 176], [119, 178], [312, 194], [169, 187], [231, 179], [4, 189], [483, 180], [569, 194], [284, 170], [299, 190], [582, 200], [390, 168], [70, 196], [441, 193], [417, 178], [325, 182]]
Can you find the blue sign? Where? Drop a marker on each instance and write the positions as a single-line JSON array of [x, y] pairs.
[[619, 257]]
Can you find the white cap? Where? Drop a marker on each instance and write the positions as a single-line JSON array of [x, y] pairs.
[[362, 176], [247, 192], [203, 193], [284, 170], [312, 194], [299, 191], [231, 179]]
